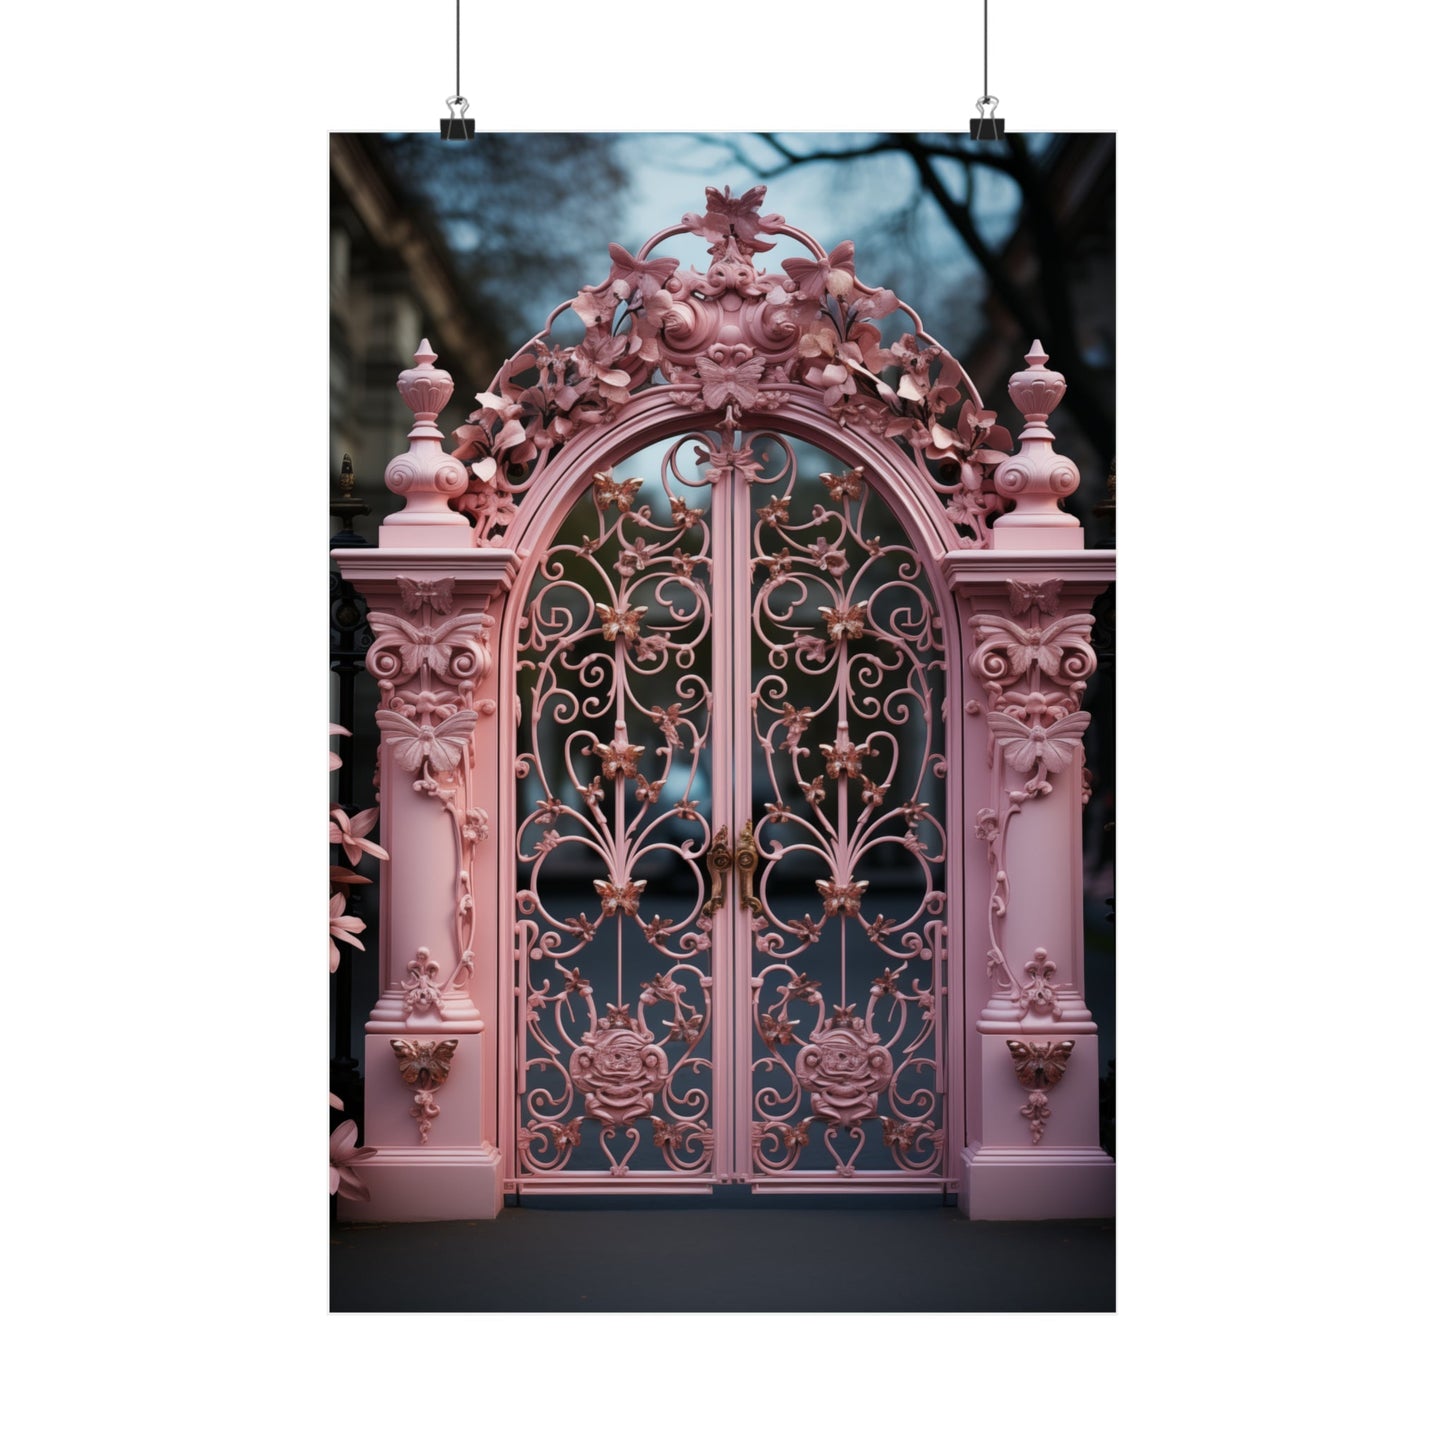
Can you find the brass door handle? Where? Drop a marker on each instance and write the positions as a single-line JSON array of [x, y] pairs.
[[719, 864], [747, 861]]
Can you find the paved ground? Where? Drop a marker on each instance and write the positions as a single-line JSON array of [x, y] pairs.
[[745, 1258]]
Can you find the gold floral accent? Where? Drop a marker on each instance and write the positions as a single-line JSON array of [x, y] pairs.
[[848, 485], [619, 759], [841, 896], [843, 623], [620, 622], [775, 513], [683, 515], [845, 758], [612, 493], [619, 899]]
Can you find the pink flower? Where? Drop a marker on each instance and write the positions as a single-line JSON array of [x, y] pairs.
[[351, 833], [336, 731], [344, 1157], [342, 929]]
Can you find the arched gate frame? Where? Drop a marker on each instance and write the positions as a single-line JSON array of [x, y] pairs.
[[727, 355]]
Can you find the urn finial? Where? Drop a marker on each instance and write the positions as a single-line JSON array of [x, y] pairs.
[[426, 475], [1037, 477]]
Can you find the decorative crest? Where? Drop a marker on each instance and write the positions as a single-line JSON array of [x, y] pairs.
[[734, 341]]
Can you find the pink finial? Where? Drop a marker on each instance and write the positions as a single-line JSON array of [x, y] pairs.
[[425, 474], [1037, 477]]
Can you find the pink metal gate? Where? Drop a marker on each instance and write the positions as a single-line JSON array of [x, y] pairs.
[[731, 672], [733, 641]]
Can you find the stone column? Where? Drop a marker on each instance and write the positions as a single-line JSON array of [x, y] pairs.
[[431, 1089], [1031, 1088]]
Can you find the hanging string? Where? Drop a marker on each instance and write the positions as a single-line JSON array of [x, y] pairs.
[[459, 46], [985, 46]]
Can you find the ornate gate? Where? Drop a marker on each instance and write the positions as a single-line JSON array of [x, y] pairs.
[[703, 865]]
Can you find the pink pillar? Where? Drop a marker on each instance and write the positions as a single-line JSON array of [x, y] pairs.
[[1031, 1088], [431, 1108]]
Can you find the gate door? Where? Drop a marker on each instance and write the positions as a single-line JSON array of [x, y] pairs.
[[730, 832]]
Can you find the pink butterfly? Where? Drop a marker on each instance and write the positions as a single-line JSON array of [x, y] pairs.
[[442, 744], [1044, 645], [427, 646], [1047, 749], [436, 594]]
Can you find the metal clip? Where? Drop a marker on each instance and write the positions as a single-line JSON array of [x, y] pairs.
[[458, 127], [988, 127]]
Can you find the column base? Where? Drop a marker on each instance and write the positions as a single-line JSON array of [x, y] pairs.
[[415, 1186], [1036, 1182]]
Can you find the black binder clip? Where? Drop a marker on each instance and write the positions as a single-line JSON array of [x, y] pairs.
[[986, 127], [458, 127]]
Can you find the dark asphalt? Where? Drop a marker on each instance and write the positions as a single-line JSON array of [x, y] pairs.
[[743, 1258]]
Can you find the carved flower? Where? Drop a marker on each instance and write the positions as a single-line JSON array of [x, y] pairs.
[[775, 1031], [815, 792], [667, 719], [842, 487], [336, 730], [775, 513], [648, 792], [683, 563], [737, 216], [634, 557], [914, 810], [827, 555], [688, 1027], [619, 1016], [351, 833], [687, 809], [620, 622], [879, 930], [683, 515], [778, 565], [581, 927], [623, 897], [549, 840], [801, 986], [654, 932], [873, 792], [343, 929], [345, 1156], [806, 929], [843, 623], [897, 1135], [619, 759], [779, 813], [887, 982], [572, 980], [841, 896], [593, 792], [795, 719], [662, 986], [598, 356], [476, 828]]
